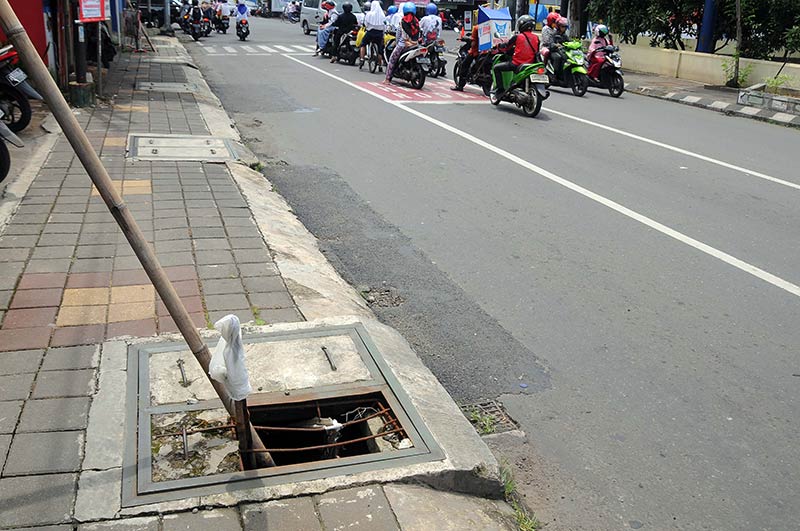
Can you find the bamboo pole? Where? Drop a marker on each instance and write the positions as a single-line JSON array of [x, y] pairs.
[[102, 181]]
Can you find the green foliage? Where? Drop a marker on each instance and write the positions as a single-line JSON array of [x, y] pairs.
[[526, 520], [774, 84], [792, 39], [729, 67], [482, 422]]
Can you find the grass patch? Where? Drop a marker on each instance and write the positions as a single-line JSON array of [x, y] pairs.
[[258, 166], [485, 424], [526, 520]]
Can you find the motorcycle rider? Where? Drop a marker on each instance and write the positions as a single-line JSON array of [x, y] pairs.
[[596, 54], [195, 13], [431, 24], [548, 33], [241, 11], [407, 35], [471, 55], [325, 29], [556, 52], [344, 24], [525, 46], [375, 24]]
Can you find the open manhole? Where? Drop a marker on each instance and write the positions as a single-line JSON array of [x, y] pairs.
[[154, 86], [315, 421], [181, 148]]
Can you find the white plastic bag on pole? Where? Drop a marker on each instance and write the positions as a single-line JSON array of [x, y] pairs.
[[227, 363]]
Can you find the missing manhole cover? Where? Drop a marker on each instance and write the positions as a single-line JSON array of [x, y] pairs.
[[181, 147], [488, 417], [315, 421], [166, 87]]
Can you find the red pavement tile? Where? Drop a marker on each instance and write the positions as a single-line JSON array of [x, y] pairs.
[[129, 277], [167, 325], [100, 279], [143, 328], [42, 280], [24, 338], [78, 335], [176, 273], [37, 298], [30, 318], [192, 305]]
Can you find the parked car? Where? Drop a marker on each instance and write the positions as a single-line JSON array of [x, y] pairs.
[[311, 14], [154, 14]]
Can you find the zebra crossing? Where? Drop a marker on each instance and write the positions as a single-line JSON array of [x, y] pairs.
[[256, 49]]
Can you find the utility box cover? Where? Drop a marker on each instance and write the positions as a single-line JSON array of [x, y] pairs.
[[494, 27]]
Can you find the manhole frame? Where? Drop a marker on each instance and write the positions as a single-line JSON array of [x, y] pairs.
[[138, 487], [134, 148], [171, 87]]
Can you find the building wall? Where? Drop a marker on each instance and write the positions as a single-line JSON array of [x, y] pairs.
[[31, 15]]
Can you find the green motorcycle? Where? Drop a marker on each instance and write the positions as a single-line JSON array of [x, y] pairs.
[[573, 73], [526, 88]]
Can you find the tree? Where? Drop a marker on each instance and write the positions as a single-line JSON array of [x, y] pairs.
[[623, 17]]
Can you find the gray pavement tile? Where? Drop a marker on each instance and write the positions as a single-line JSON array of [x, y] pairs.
[[66, 218], [271, 301], [15, 241], [15, 386], [94, 228], [127, 262], [264, 284], [170, 223], [49, 265], [30, 219], [5, 443], [95, 251], [291, 514], [9, 413], [226, 302], [19, 362], [174, 246], [176, 259], [99, 238], [171, 196], [209, 244], [70, 358], [91, 265], [222, 286], [219, 256], [251, 256], [20, 228], [231, 203], [250, 231], [34, 209], [170, 213], [215, 520], [99, 216], [58, 239], [357, 508], [14, 255], [5, 298], [208, 232], [247, 243], [61, 228], [37, 500], [217, 271], [57, 251], [283, 315], [51, 384], [54, 414], [147, 523], [160, 204], [205, 222], [8, 283], [44, 453]]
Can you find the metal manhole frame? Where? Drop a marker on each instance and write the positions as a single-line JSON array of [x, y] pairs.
[[171, 87], [138, 487], [134, 148]]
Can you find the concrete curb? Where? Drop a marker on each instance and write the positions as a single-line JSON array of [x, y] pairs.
[[730, 109]]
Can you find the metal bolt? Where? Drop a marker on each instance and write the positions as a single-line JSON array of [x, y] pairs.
[[184, 382], [185, 443], [330, 359]]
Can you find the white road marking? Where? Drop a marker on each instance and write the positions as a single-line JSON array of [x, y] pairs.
[[446, 102], [304, 48], [750, 111], [266, 48], [283, 48], [613, 205], [211, 49], [720, 105], [248, 49], [682, 151], [229, 49], [783, 117], [692, 99]]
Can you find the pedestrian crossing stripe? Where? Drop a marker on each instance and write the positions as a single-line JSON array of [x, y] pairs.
[[248, 49], [229, 49], [258, 49], [284, 48], [266, 48]]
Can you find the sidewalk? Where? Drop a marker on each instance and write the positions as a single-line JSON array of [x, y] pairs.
[[699, 95], [70, 282]]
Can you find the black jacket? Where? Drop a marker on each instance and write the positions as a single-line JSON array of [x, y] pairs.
[[345, 23]]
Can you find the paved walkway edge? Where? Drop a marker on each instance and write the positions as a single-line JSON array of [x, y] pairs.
[[743, 111]]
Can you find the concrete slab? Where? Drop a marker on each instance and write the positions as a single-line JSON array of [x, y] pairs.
[[129, 524], [54, 414], [37, 500], [16, 386], [54, 384], [292, 514], [5, 442], [105, 435], [44, 453], [216, 520], [360, 508], [20, 361], [9, 413], [98, 495], [422, 509]]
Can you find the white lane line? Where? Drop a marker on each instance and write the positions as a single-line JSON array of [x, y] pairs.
[[613, 205], [283, 48], [210, 49], [676, 149], [303, 48], [248, 49], [229, 49], [266, 48]]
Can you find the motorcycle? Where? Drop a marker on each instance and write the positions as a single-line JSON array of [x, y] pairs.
[[480, 71], [15, 90], [347, 52], [222, 23], [206, 27], [572, 73], [610, 73], [526, 87], [242, 29], [436, 50], [5, 157], [412, 66]]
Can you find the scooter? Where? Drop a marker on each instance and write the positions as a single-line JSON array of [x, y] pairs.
[[206, 27], [412, 66], [436, 50], [15, 90], [347, 48], [526, 88], [5, 157], [480, 71], [13, 74], [572, 73], [608, 71], [242, 29], [222, 23]]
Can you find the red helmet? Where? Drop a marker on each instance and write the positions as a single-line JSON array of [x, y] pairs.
[[552, 18]]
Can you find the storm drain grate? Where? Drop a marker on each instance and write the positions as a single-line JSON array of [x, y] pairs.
[[488, 417], [154, 86], [181, 148], [325, 404]]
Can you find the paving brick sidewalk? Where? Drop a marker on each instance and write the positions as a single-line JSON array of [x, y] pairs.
[[69, 280], [699, 95]]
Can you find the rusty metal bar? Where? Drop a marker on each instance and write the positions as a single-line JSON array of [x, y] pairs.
[[331, 445], [344, 424], [198, 430], [113, 199]]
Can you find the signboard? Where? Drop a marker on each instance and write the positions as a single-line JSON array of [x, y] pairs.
[[92, 10], [468, 20], [494, 27]]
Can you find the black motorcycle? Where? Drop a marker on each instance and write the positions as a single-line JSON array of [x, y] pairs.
[[610, 77], [221, 24], [479, 72], [242, 29], [436, 50], [5, 157], [347, 51]]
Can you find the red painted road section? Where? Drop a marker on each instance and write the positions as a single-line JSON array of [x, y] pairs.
[[434, 91]]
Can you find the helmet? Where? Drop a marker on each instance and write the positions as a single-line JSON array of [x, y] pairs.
[[525, 23], [328, 5], [562, 22], [347, 7], [392, 10], [365, 7], [409, 7], [601, 30], [552, 18], [431, 9]]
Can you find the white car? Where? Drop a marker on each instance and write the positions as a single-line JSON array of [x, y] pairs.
[[311, 13]]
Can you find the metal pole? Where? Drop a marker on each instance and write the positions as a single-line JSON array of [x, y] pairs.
[[738, 42], [705, 44], [80, 53], [167, 18], [99, 60], [99, 176]]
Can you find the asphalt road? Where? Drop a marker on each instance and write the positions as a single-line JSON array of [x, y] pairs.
[[623, 274]]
